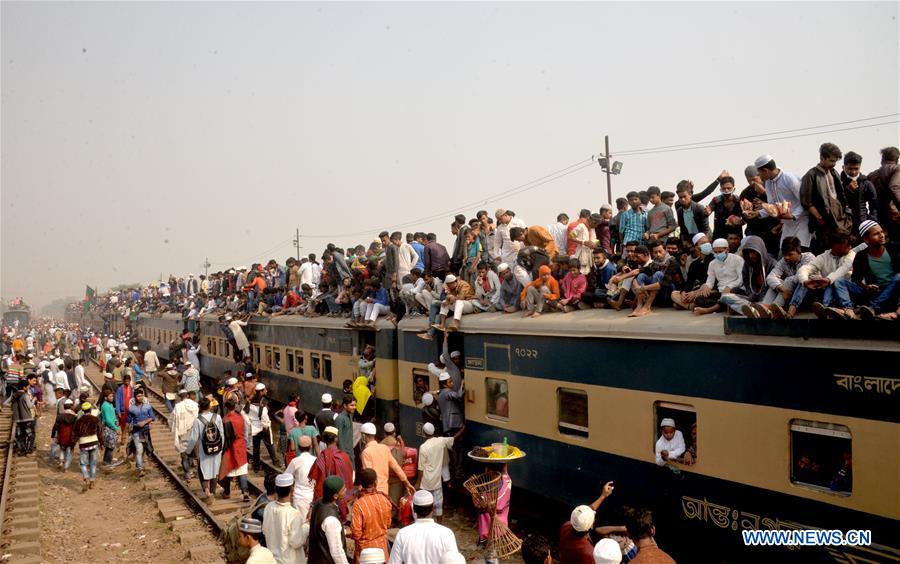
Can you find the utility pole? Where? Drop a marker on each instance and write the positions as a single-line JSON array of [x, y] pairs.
[[608, 174], [297, 243], [206, 264]]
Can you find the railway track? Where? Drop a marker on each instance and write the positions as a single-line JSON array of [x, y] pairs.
[[178, 501], [20, 524]]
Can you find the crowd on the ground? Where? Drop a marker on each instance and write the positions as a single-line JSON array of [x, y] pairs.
[[337, 475], [824, 241]]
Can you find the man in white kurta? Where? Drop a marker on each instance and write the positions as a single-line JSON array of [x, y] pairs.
[[299, 467], [283, 527], [423, 542], [184, 415]]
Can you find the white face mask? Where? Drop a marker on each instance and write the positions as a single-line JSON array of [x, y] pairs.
[[853, 177]]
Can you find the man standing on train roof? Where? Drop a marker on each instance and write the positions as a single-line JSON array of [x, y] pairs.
[[783, 197], [822, 194]]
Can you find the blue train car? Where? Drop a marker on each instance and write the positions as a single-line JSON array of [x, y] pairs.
[[773, 421]]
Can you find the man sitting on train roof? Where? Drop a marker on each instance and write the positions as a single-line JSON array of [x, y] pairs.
[[458, 296], [656, 280], [874, 284], [723, 277]]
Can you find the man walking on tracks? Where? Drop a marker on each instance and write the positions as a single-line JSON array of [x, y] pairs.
[[207, 441], [140, 415], [283, 526]]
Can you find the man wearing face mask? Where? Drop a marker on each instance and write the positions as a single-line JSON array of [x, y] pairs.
[[727, 210], [724, 276], [701, 257], [859, 191]]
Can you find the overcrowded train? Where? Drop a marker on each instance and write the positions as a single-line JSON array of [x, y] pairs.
[[786, 433]]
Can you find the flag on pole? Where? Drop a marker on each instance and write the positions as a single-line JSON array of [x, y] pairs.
[[89, 294]]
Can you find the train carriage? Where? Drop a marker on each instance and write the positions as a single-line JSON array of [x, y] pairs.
[[584, 395], [293, 354]]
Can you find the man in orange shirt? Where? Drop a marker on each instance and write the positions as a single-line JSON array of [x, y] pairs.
[[371, 516], [381, 460], [541, 293], [254, 289]]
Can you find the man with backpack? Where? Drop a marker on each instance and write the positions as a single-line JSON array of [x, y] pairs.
[[62, 433], [206, 441]]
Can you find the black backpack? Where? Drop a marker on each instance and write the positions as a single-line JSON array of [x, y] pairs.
[[212, 438]]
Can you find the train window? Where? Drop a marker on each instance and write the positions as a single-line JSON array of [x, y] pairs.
[[300, 363], [289, 355], [269, 359], [821, 456], [685, 418], [421, 384], [257, 355], [326, 364], [497, 395], [572, 406], [276, 357], [316, 365]]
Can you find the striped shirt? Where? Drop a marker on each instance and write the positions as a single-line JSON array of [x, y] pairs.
[[370, 521], [633, 225]]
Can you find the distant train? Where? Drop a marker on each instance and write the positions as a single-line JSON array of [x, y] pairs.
[[17, 313], [788, 433]]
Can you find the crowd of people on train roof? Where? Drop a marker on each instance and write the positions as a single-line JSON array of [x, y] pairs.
[[342, 476], [825, 241]]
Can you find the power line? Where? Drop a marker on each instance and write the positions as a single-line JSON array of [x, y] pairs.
[[759, 140], [515, 190], [654, 149], [256, 255]]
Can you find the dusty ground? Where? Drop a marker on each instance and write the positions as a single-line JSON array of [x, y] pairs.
[[114, 522]]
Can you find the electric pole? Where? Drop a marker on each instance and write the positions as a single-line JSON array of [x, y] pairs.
[[297, 243], [206, 264], [609, 164]]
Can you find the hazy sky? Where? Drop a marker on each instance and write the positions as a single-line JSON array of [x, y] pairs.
[[139, 138]]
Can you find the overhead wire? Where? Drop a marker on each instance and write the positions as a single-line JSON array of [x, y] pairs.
[[515, 190], [676, 150], [649, 150]]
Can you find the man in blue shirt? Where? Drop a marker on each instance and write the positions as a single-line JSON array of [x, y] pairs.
[[140, 414], [633, 223]]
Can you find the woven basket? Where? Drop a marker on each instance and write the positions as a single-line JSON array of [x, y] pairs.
[[502, 542], [484, 489]]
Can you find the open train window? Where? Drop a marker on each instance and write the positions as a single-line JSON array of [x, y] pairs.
[[326, 367], [227, 350], [316, 365], [685, 418], [257, 356], [572, 409], [276, 358], [821, 456], [421, 380], [497, 398], [289, 355], [269, 358], [300, 363]]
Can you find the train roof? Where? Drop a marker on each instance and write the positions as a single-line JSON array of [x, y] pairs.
[[281, 320], [662, 324]]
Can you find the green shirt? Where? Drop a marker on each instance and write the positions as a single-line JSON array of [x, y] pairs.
[[297, 432], [882, 269], [108, 415]]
